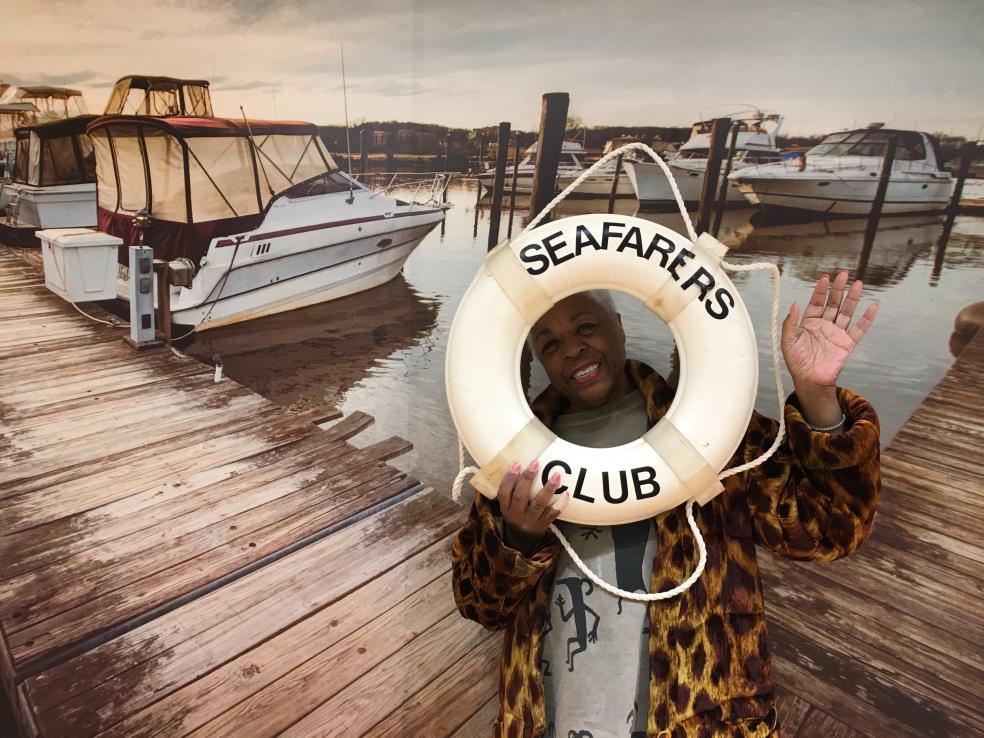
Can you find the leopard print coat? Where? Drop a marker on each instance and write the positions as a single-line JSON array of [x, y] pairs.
[[711, 672]]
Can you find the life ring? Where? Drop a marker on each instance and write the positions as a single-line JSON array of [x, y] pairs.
[[684, 283]]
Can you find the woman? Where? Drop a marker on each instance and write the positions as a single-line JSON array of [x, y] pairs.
[[579, 662]]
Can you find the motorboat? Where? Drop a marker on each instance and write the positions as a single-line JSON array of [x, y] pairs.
[[24, 106], [54, 179], [161, 97], [755, 144], [600, 182], [571, 164], [839, 176], [257, 209]]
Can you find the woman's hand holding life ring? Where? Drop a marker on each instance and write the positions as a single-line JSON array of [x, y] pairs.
[[527, 516]]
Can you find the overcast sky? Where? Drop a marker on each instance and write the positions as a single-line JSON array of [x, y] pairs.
[[825, 65]]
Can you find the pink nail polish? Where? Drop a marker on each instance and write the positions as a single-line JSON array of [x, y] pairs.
[[555, 478], [515, 468], [534, 465]]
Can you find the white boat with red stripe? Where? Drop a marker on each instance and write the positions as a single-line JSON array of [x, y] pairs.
[[259, 209]]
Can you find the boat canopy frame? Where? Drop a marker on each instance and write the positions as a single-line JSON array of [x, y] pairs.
[[198, 178], [162, 97], [56, 153]]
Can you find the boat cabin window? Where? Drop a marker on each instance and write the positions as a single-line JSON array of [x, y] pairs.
[[871, 142], [693, 154], [59, 162], [760, 157]]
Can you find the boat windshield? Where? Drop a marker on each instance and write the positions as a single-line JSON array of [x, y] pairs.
[[566, 160], [693, 154], [871, 142]]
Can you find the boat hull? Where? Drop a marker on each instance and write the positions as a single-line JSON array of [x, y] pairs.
[[653, 188], [845, 196], [307, 279], [57, 206]]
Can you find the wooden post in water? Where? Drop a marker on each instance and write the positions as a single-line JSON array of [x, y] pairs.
[[614, 190], [722, 197], [719, 135], [876, 207], [512, 193], [967, 153], [553, 123], [501, 157], [163, 274]]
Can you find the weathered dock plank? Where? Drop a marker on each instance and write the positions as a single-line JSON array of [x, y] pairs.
[[133, 486], [889, 641]]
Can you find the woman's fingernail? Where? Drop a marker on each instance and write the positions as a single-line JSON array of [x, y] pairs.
[[515, 468], [555, 478], [534, 465]]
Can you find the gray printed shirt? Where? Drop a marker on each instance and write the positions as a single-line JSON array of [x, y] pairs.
[[595, 656]]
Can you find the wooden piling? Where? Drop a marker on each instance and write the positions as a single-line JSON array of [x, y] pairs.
[[553, 123], [967, 153], [163, 281], [515, 179], [722, 196], [876, 206], [719, 134], [614, 190], [502, 156]]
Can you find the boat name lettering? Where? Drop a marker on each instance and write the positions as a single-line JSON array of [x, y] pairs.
[[640, 481], [553, 250]]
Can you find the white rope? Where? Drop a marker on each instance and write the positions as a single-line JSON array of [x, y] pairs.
[[463, 471], [643, 596], [776, 366]]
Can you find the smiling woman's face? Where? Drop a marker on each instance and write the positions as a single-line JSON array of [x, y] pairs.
[[582, 349]]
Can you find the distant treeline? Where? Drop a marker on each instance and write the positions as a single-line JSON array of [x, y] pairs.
[[465, 146]]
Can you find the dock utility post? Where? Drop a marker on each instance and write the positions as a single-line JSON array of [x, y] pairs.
[[142, 332]]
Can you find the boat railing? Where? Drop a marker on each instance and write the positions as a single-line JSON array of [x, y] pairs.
[[426, 190]]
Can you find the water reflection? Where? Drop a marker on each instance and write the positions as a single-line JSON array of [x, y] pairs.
[[383, 351], [314, 356]]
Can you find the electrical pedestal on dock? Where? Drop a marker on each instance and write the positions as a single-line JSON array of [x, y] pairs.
[[142, 329]]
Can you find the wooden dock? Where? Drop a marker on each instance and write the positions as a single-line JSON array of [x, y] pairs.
[[181, 557]]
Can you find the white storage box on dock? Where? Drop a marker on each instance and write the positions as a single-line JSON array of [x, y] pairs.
[[79, 263]]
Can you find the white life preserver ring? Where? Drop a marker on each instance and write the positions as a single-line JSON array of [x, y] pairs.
[[684, 283]]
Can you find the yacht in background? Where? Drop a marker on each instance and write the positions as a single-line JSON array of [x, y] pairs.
[[839, 176], [53, 182], [571, 163], [24, 106], [756, 144], [161, 97]]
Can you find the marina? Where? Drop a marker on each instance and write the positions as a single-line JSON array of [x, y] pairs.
[[271, 313], [235, 568]]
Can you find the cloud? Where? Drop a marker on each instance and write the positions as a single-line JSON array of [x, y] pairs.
[[57, 79]]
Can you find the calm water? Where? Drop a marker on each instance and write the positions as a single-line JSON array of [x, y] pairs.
[[382, 351]]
